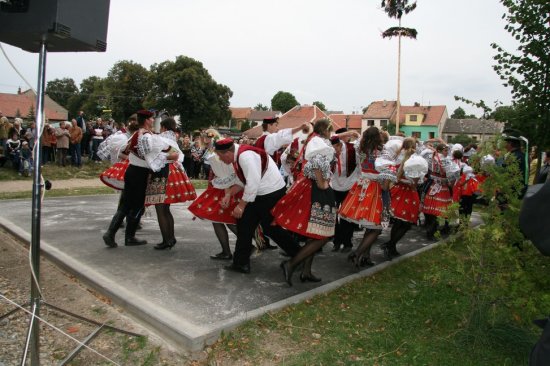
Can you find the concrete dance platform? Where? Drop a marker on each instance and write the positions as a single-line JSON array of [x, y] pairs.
[[180, 294]]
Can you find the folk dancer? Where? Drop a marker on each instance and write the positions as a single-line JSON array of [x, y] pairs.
[[405, 201], [436, 198], [263, 187], [218, 201], [363, 204], [345, 175], [309, 207], [111, 149], [168, 183]]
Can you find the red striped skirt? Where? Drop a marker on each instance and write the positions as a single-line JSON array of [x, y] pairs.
[[436, 200], [363, 204]]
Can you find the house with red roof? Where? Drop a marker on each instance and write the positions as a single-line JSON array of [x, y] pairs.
[[379, 114], [352, 122], [293, 118], [239, 116], [22, 103], [422, 122]]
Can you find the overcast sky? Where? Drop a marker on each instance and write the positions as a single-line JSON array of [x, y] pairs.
[[326, 50]]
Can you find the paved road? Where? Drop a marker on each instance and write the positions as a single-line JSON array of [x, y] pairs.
[[180, 294]]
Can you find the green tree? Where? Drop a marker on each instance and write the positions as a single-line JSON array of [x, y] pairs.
[[186, 88], [61, 90], [462, 139], [127, 85], [527, 72], [320, 105], [245, 126], [460, 113], [93, 96], [283, 101], [261, 107], [31, 114]]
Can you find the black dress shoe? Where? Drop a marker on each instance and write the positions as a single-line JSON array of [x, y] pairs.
[[165, 244], [134, 241], [221, 256], [245, 268], [309, 278]]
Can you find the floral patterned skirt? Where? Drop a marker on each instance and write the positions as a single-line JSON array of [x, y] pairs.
[[114, 176], [307, 210], [405, 202], [169, 185], [207, 206], [363, 204]]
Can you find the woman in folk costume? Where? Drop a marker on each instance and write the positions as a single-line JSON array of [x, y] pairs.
[[437, 195], [363, 204], [309, 207], [219, 200], [405, 201], [112, 149], [168, 182]]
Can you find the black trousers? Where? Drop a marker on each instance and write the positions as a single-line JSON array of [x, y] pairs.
[[135, 183], [259, 212], [344, 229]]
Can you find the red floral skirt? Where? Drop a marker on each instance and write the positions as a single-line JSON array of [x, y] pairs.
[[169, 185], [307, 210], [436, 200], [207, 206], [405, 202], [114, 176], [363, 204]]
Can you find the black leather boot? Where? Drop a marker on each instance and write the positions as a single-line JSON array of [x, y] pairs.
[[132, 221], [116, 222]]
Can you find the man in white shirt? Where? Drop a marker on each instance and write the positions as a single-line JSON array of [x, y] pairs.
[[345, 175], [263, 187]]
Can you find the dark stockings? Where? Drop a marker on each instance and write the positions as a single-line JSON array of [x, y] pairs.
[[166, 223], [306, 254], [398, 230], [223, 236], [431, 226], [362, 253]]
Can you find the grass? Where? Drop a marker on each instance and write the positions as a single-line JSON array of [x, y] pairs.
[[53, 172], [413, 313]]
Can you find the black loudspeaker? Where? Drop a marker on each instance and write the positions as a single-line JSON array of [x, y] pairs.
[[66, 25]]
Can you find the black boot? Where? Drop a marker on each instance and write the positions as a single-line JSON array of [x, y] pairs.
[[116, 222], [132, 221]]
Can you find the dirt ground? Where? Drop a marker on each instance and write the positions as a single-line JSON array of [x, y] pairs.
[[64, 291]]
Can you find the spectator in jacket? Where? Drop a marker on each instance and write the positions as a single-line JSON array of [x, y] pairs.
[[63, 138], [75, 140]]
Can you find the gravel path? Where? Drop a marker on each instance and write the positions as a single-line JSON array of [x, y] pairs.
[[26, 185]]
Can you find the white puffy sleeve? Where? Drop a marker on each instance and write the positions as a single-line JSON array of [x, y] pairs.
[[151, 147], [275, 141], [225, 176], [319, 155]]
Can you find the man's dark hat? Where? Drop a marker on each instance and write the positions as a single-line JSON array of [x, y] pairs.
[[511, 134], [341, 130], [334, 140], [270, 120], [145, 113], [223, 144]]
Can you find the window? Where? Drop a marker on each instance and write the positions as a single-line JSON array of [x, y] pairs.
[[432, 135], [370, 122], [474, 138], [383, 123], [416, 134], [412, 117]]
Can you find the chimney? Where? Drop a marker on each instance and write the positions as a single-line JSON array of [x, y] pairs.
[[384, 103], [416, 104], [19, 90]]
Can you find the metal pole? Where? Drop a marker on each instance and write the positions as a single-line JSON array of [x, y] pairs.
[[398, 80], [36, 208]]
